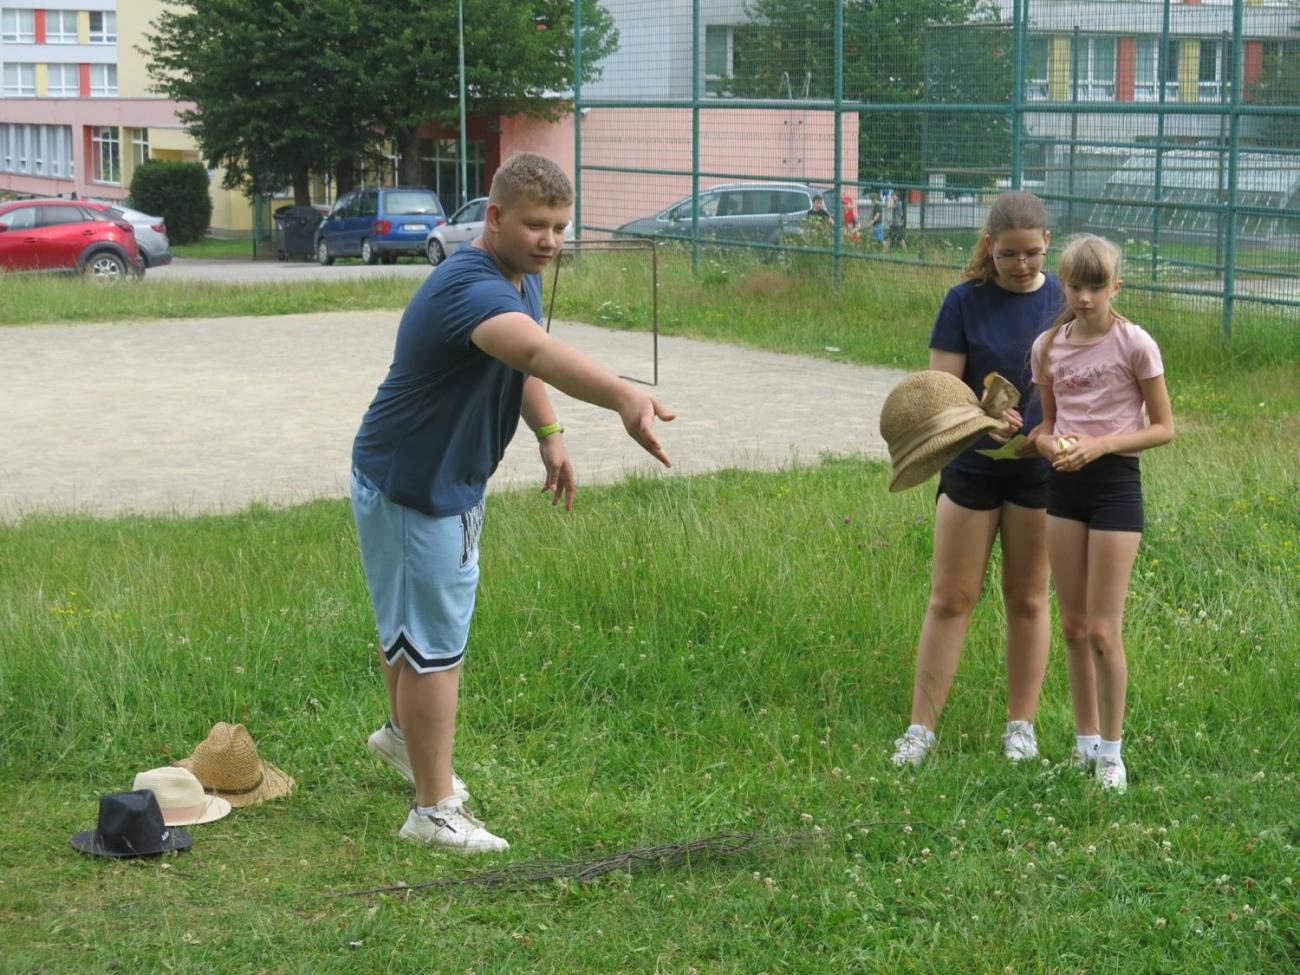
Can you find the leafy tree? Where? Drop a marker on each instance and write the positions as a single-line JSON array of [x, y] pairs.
[[1279, 84], [789, 50], [283, 88]]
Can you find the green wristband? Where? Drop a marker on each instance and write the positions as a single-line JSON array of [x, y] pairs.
[[550, 428]]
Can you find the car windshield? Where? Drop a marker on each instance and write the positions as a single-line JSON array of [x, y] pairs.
[[411, 202]]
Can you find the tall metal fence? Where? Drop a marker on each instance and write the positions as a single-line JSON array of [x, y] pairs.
[[1171, 127]]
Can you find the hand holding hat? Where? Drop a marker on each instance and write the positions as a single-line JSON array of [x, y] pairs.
[[930, 417]]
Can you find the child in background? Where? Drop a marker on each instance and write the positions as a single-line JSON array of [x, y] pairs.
[[1096, 371], [988, 323]]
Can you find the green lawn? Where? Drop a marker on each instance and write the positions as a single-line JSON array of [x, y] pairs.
[[677, 657]]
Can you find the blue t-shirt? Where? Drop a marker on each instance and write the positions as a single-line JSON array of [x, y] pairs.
[[995, 329], [442, 418]]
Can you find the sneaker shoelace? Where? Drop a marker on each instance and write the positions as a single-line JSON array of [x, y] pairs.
[[911, 744]]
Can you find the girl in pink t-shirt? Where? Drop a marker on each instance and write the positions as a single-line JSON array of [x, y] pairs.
[[1101, 379]]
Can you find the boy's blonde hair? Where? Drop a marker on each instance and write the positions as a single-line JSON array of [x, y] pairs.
[[1088, 261], [526, 175], [1015, 210]]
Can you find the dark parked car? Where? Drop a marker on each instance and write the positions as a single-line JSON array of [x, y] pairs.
[[760, 212], [68, 235], [379, 224]]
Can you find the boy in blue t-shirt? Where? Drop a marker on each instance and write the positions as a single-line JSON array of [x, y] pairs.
[[470, 359]]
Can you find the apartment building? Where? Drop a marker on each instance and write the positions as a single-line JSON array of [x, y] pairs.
[[76, 111]]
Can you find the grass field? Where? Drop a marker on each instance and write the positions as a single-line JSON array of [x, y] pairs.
[[681, 656]]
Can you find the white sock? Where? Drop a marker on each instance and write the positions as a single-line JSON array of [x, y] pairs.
[[396, 730], [1087, 744], [1110, 749], [425, 810], [920, 731]]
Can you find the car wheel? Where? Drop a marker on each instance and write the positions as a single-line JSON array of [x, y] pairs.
[[436, 254], [368, 255], [105, 266], [323, 255]]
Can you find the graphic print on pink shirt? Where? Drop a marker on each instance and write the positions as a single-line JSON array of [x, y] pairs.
[[1097, 385]]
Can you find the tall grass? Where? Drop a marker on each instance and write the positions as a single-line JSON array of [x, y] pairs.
[[40, 299], [676, 657]]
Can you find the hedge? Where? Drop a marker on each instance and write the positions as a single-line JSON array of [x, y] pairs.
[[176, 191]]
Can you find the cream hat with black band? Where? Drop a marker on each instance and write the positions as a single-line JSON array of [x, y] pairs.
[[930, 417]]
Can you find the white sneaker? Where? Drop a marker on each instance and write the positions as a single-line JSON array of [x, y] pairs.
[[1112, 775], [1019, 743], [392, 751], [451, 825], [915, 744], [1085, 763]]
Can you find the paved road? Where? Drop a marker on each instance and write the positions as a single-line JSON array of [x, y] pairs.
[[206, 415]]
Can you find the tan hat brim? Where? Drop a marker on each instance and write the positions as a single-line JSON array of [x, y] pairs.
[[932, 456]]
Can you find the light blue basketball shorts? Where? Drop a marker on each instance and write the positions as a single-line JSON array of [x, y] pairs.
[[422, 573]]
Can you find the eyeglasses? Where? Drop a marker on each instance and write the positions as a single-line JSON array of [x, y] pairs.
[[1029, 257]]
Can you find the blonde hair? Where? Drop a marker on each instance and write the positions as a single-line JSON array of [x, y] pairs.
[[1088, 261], [526, 174], [1015, 210]]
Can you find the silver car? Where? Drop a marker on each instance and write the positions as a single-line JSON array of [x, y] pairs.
[[150, 234], [464, 225]]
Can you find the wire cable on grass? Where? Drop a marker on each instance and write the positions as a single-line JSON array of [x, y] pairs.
[[727, 845]]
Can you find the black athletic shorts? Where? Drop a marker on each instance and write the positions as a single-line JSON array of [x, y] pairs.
[[1106, 495], [987, 492]]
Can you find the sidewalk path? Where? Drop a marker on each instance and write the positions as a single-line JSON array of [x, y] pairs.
[[205, 415]]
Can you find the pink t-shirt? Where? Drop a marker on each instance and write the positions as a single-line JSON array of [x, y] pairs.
[[1096, 384]]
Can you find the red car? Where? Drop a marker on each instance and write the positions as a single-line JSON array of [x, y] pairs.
[[68, 235]]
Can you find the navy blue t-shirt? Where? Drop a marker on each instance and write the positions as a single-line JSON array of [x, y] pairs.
[[442, 418], [995, 329]]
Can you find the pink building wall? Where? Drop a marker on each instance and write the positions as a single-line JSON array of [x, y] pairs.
[[83, 115], [734, 143]]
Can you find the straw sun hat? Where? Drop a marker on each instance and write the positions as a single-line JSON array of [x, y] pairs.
[[931, 417], [226, 763]]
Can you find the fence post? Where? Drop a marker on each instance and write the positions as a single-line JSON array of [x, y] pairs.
[[1230, 258], [1020, 27], [695, 135], [839, 139], [1074, 120], [1158, 175], [577, 120]]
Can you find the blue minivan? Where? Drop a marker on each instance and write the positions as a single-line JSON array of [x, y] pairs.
[[377, 224]]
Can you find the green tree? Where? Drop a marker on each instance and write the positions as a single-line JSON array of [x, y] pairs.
[[789, 50], [283, 88], [1279, 84]]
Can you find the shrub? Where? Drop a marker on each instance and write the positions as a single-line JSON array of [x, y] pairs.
[[176, 191]]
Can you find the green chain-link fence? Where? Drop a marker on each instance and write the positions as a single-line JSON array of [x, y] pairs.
[[1170, 127]]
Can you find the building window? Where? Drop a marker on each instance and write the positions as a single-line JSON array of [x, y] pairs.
[[106, 155], [18, 27], [6, 154], [64, 81], [719, 60], [103, 27], [22, 148], [1215, 80], [1094, 66], [60, 27], [20, 80], [103, 80], [139, 146], [1036, 60], [440, 169]]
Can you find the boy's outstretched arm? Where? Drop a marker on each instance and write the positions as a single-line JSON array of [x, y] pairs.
[[516, 340]]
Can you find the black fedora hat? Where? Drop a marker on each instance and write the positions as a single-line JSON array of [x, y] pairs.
[[130, 825]]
